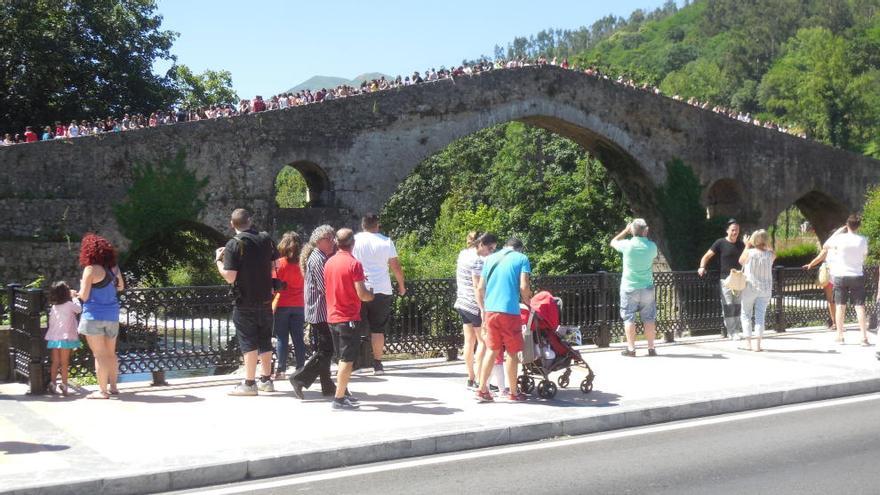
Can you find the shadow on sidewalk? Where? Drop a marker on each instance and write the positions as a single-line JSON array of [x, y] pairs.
[[392, 403], [157, 399], [576, 398], [694, 356], [800, 351], [428, 374], [11, 448]]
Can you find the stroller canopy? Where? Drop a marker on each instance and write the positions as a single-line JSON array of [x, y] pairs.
[[544, 305]]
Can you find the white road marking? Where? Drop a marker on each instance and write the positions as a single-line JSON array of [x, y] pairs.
[[595, 437]]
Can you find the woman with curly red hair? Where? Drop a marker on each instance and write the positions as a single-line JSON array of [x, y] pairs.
[[101, 281]]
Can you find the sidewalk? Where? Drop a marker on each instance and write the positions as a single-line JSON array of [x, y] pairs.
[[192, 434]]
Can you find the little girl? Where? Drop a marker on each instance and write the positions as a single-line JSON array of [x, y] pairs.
[[62, 335]]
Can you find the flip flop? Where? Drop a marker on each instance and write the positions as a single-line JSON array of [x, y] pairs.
[[97, 395]]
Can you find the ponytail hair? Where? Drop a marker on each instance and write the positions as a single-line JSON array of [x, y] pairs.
[[317, 234], [473, 238]]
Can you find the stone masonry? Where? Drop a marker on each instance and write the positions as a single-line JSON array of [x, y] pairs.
[[355, 151]]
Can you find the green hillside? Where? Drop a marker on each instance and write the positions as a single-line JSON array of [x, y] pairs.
[[810, 64]]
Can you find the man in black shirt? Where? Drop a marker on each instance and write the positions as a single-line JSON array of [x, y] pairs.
[[247, 262], [728, 249]]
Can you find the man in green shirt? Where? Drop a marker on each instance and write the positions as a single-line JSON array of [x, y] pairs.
[[637, 283]]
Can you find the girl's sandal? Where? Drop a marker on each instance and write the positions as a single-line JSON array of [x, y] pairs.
[[114, 391], [97, 395], [64, 389]]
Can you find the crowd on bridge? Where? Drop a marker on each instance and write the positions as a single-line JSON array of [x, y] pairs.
[[281, 101]]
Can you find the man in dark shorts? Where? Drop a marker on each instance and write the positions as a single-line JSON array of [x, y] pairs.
[[728, 249], [846, 251], [377, 254], [344, 283], [247, 262]]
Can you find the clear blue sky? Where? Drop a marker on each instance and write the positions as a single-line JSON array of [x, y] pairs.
[[272, 45]]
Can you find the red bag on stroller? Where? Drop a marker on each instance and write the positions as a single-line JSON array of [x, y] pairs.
[[547, 321]]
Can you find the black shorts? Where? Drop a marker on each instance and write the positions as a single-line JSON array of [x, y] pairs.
[[468, 318], [253, 328], [346, 340], [376, 314], [849, 290]]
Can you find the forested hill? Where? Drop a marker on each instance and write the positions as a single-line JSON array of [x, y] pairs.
[[810, 64], [813, 65]]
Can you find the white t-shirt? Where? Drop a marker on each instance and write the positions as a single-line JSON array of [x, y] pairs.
[[374, 251], [846, 254]]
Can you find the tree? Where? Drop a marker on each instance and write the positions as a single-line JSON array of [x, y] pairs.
[[71, 59], [202, 90], [814, 84]]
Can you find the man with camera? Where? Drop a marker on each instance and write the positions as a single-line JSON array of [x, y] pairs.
[[247, 262]]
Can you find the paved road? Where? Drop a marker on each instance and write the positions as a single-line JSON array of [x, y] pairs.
[[823, 447]]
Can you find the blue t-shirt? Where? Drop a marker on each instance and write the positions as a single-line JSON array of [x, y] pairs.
[[502, 288]]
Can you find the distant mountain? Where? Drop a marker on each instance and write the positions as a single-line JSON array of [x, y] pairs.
[[317, 82]]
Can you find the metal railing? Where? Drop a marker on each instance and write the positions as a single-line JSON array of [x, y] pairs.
[[187, 328]]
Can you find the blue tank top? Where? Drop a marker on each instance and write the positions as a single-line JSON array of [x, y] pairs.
[[102, 304]]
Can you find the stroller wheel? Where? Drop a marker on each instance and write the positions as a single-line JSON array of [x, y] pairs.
[[526, 384], [563, 381], [547, 389], [587, 385]]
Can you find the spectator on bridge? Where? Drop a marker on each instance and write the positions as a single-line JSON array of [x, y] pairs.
[[259, 105], [377, 254], [637, 283], [288, 307], [467, 275], [344, 281], [47, 134], [29, 135], [100, 284], [7, 140], [728, 249], [314, 256], [757, 262], [247, 262], [61, 337], [846, 251], [504, 283]]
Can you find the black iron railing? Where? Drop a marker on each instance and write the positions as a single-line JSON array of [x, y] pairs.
[[185, 328]]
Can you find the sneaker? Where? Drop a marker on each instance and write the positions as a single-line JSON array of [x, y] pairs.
[[266, 386], [279, 375], [493, 388], [344, 404], [517, 397], [297, 388], [628, 353], [351, 398], [471, 384], [378, 369], [244, 390], [484, 396], [652, 352]]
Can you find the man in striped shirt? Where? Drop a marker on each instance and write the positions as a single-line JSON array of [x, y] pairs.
[[320, 247]]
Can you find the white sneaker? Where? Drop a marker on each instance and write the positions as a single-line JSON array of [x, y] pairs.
[[266, 386], [244, 390]]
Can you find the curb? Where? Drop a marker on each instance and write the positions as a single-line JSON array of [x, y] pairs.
[[264, 467]]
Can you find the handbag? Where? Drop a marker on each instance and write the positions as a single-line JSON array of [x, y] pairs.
[[824, 277], [364, 358], [736, 281]]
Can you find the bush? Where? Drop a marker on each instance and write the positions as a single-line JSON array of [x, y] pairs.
[[797, 255]]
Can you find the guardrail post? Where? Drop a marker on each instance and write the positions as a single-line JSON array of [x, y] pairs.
[[452, 331], [604, 337], [669, 333], [31, 325], [779, 277]]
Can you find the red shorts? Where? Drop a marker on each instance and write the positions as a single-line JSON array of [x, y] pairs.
[[503, 330]]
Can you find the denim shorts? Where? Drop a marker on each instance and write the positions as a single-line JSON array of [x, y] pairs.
[[100, 328], [638, 301]]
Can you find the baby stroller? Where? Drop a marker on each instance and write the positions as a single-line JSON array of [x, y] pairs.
[[545, 351]]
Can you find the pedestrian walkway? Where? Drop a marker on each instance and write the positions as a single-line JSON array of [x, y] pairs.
[[191, 433]]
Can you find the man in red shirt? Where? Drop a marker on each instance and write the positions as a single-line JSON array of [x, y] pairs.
[[344, 284], [29, 135]]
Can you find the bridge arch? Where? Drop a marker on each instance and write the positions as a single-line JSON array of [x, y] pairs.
[[725, 198]]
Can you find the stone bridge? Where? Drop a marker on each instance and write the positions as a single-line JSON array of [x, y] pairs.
[[355, 151]]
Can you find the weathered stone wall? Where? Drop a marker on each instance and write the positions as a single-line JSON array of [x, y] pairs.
[[25, 261], [364, 146]]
